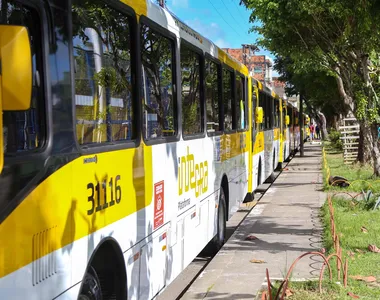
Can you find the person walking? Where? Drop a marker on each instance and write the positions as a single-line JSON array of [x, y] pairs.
[[318, 131], [311, 131]]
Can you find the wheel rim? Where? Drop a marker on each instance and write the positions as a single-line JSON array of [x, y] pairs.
[[91, 287]]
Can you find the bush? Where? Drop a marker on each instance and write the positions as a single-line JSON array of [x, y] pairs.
[[335, 140]]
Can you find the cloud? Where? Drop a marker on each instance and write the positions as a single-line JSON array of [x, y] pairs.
[[212, 31], [180, 3], [221, 43]]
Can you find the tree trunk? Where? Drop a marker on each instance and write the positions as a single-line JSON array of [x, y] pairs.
[[375, 150], [323, 129], [365, 143]]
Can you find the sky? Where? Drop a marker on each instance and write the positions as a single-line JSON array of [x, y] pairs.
[[224, 22]]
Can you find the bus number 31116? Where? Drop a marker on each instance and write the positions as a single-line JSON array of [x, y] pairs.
[[100, 191]]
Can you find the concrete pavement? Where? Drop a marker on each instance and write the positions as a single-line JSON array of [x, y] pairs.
[[286, 224]]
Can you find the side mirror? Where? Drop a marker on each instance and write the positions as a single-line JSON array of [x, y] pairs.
[[16, 67], [287, 120], [1, 130], [16, 74], [259, 115]]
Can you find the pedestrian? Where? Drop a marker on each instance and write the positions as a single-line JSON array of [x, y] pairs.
[[317, 131], [311, 131]]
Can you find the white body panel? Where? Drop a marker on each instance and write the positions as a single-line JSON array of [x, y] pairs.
[[286, 147], [153, 257]]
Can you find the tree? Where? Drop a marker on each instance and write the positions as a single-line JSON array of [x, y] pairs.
[[338, 37], [318, 88]]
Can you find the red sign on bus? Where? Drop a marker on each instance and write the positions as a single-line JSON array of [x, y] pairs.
[[158, 204]]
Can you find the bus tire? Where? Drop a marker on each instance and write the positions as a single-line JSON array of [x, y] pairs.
[[219, 239], [91, 289]]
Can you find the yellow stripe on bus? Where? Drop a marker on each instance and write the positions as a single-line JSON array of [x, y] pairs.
[[139, 6], [276, 134], [259, 143], [225, 58], [63, 208], [233, 145], [61, 204]]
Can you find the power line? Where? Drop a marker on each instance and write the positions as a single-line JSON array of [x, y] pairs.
[[230, 12], [238, 9], [224, 18]]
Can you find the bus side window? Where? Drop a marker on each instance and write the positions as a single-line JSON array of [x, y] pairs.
[[268, 111], [103, 78], [254, 101], [159, 108], [271, 112], [276, 113], [241, 103], [25, 131], [213, 96], [253, 122], [228, 99], [262, 103], [191, 88], [290, 113]]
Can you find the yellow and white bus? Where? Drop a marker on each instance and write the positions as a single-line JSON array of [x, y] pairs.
[[128, 141], [285, 133], [267, 142]]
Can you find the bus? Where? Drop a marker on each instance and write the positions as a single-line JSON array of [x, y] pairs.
[[284, 134], [128, 141], [307, 128], [267, 141]]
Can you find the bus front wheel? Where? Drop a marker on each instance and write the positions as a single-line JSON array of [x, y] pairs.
[[91, 286]]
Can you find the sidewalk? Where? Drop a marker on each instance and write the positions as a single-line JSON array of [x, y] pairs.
[[286, 223]]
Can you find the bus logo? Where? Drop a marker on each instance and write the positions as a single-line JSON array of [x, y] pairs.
[[158, 204], [191, 175]]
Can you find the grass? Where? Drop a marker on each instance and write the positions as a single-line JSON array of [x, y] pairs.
[[348, 221], [360, 177], [350, 216], [309, 290]]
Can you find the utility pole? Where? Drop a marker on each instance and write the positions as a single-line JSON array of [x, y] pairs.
[[302, 126], [251, 48], [243, 53]]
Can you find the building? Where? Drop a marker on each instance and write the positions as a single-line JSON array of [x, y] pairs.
[[278, 86], [260, 66]]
